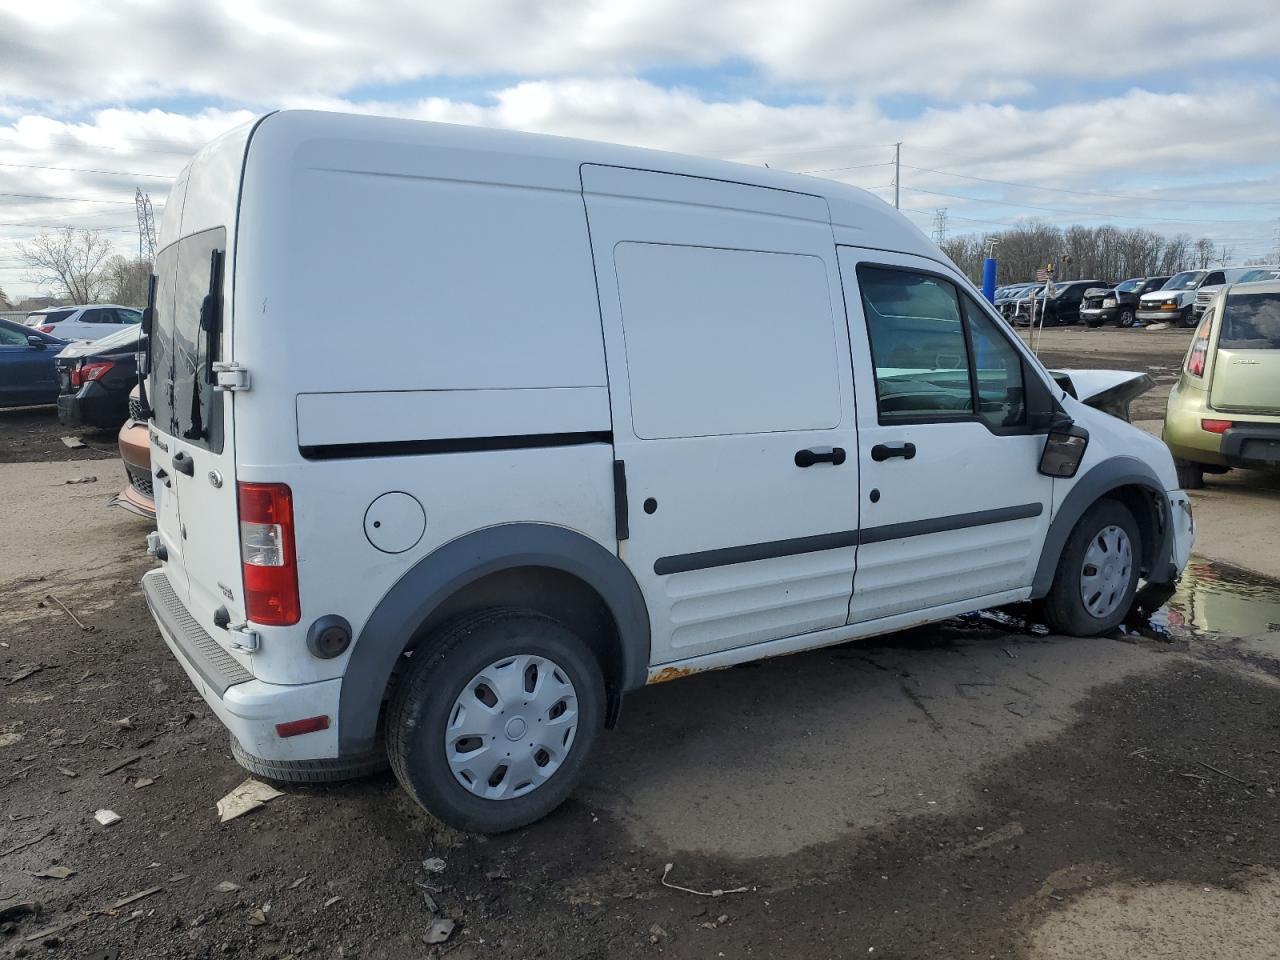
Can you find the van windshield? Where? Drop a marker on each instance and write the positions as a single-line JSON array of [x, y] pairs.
[[1186, 280], [183, 398], [1251, 322]]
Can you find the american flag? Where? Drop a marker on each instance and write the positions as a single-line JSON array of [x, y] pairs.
[[1042, 275]]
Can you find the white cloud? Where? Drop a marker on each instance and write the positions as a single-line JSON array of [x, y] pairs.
[[62, 51]]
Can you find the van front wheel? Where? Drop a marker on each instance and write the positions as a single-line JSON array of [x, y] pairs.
[[1097, 575], [490, 728]]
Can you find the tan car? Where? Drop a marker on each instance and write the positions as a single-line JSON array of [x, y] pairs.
[[135, 451], [1224, 411]]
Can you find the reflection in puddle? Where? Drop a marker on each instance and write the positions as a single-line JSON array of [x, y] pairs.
[[1217, 598]]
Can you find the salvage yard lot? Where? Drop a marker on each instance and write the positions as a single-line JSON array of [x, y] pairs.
[[973, 788]]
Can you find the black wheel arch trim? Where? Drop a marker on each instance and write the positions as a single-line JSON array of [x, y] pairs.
[[1103, 478], [451, 567]]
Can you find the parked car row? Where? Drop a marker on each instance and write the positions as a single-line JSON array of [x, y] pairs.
[[87, 322], [93, 384], [1180, 300]]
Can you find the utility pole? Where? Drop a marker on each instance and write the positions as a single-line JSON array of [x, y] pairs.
[[897, 172], [146, 226], [940, 225]]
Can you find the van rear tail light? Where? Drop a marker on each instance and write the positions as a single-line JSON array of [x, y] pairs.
[[89, 372], [267, 556], [1216, 426]]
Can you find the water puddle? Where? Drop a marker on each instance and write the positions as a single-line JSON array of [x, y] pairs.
[[1213, 600]]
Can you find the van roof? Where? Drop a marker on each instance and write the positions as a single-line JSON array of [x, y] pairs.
[[858, 217]]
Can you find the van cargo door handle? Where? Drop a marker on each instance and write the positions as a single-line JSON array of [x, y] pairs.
[[184, 464], [832, 455], [887, 451]]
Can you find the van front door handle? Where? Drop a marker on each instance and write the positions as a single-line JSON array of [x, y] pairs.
[[887, 451], [832, 455], [184, 464]]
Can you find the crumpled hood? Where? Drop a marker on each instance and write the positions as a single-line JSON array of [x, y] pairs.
[[1110, 391]]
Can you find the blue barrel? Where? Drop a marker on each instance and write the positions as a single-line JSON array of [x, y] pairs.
[[989, 279]]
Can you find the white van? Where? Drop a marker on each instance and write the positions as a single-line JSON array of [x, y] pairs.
[[460, 435]]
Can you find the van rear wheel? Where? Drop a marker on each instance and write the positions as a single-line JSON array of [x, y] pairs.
[[490, 728], [1097, 576]]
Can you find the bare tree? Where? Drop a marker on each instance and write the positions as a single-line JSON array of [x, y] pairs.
[[1225, 256], [70, 260], [1176, 254], [5, 304], [1204, 253], [127, 281]]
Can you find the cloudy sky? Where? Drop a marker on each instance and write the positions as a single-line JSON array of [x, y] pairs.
[[1165, 115]]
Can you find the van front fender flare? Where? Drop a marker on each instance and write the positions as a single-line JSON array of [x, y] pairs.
[[1109, 475], [441, 574]]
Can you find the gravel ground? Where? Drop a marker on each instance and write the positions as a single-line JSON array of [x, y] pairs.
[[968, 789]]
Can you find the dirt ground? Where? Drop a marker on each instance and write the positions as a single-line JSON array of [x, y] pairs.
[[975, 788]]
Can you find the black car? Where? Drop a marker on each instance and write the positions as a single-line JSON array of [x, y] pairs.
[[95, 380], [1102, 305], [1063, 303]]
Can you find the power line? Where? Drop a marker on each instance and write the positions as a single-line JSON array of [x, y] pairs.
[[1081, 193], [110, 173], [45, 196], [856, 166], [1076, 213]]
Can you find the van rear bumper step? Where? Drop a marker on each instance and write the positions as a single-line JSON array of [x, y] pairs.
[[249, 708], [201, 652]]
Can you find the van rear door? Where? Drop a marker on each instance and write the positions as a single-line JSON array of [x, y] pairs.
[[193, 444], [1246, 372]]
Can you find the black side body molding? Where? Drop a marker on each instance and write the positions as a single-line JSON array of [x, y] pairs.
[[704, 559]]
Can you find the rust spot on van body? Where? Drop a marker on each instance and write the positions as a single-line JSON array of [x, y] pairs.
[[672, 673]]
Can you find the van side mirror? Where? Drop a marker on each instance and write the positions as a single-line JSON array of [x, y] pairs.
[[147, 315], [1064, 448], [35, 343]]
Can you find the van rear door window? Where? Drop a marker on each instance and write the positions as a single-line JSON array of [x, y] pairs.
[[186, 401]]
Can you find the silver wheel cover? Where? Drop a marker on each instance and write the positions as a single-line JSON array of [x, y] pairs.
[[1105, 573], [511, 727]]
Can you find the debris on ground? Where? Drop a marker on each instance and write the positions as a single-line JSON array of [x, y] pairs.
[[141, 782], [331, 901], [24, 673], [132, 898], [24, 844], [23, 908], [656, 933], [699, 893], [55, 873], [121, 764], [81, 480], [86, 627], [107, 817], [1156, 326], [433, 865], [439, 931], [67, 772], [227, 886], [73, 443], [250, 795], [257, 918]]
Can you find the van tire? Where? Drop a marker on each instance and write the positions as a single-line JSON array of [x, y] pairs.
[[1064, 607], [1190, 475], [311, 771], [425, 697]]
